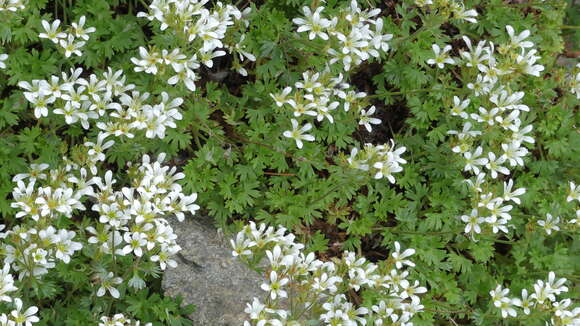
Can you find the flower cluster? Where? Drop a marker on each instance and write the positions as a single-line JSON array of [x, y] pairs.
[[321, 286], [441, 56], [500, 110], [131, 220], [106, 99], [198, 28], [18, 317], [68, 41], [352, 35], [12, 5], [449, 8], [120, 320], [318, 95], [491, 209], [543, 299], [382, 161]]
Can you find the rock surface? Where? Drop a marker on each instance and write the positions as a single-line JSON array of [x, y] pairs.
[[209, 277]]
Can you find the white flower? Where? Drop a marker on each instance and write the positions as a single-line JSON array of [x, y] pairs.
[[550, 223], [164, 256], [575, 84], [459, 12], [441, 57], [310, 82], [353, 44], [573, 193], [80, 31], [466, 133], [71, 46], [473, 220], [355, 163], [481, 86], [498, 294], [281, 98], [186, 204], [52, 32], [505, 304], [313, 23], [25, 318], [494, 165], [96, 150], [298, 134], [6, 283], [65, 247], [518, 40], [34, 173], [459, 107], [496, 210], [380, 40], [399, 257], [411, 291], [275, 287], [476, 185], [108, 283], [254, 309], [527, 62], [148, 62], [3, 58], [301, 107], [514, 153], [207, 57], [40, 102], [386, 169], [367, 120], [519, 135], [485, 115], [475, 56], [350, 97], [423, 3], [508, 194], [526, 303], [556, 286], [497, 224], [326, 283], [241, 245], [472, 160]]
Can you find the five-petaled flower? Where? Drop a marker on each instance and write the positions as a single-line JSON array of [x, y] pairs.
[[298, 133], [441, 57]]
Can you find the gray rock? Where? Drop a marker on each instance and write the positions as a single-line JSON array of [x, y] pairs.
[[209, 277]]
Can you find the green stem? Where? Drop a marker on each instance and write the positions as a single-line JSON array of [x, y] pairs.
[[413, 91], [331, 190], [144, 3], [382, 228]]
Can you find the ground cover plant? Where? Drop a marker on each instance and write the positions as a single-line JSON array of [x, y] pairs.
[[396, 162]]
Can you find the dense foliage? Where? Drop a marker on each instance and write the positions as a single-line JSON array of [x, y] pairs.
[[445, 126]]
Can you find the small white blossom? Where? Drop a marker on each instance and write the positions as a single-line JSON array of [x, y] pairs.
[[108, 283], [52, 31], [366, 119], [441, 56], [26, 318], [298, 134], [550, 224]]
